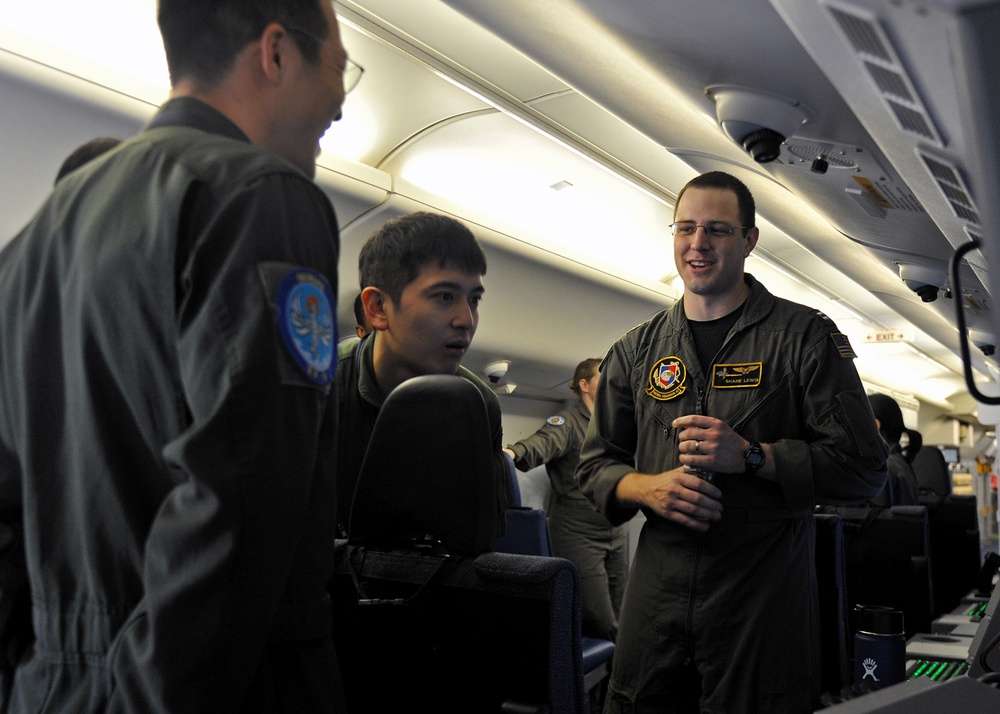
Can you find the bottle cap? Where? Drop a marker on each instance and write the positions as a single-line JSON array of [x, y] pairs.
[[879, 620]]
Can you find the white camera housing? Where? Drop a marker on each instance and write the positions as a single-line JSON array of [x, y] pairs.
[[757, 121], [495, 371]]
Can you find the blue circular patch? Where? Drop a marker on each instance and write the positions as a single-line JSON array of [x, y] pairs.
[[556, 420], [307, 324]]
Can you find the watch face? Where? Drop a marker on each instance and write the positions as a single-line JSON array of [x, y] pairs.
[[755, 456]]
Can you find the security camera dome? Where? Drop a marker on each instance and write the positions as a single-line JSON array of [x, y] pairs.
[[757, 121], [763, 145]]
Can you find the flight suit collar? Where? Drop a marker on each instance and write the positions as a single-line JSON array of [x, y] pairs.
[[758, 305], [367, 383], [196, 114]]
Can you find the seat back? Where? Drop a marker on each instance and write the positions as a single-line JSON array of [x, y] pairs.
[[887, 559], [932, 473], [955, 549], [832, 582], [499, 632], [425, 616], [428, 469]]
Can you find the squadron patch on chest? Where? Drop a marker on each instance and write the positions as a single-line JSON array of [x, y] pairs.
[[556, 420], [304, 303], [666, 379], [736, 376]]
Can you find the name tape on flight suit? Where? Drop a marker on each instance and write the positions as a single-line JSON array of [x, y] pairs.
[[736, 376]]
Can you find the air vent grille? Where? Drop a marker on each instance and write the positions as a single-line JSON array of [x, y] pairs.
[[912, 121], [889, 83], [864, 38], [949, 179], [807, 151], [879, 59]]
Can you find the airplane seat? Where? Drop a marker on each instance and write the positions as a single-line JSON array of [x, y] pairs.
[[512, 480], [425, 616], [832, 584], [931, 469], [527, 531], [528, 534], [887, 562], [427, 469], [953, 524]]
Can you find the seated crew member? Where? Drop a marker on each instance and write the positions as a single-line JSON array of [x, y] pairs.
[[579, 532], [421, 277], [901, 486], [361, 327], [85, 153]]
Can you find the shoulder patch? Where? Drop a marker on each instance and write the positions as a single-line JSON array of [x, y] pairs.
[[666, 379], [308, 327], [823, 316], [556, 420], [843, 345]]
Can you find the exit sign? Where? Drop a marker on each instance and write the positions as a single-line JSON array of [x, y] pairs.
[[888, 336]]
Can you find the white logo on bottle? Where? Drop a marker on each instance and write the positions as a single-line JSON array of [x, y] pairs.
[[870, 665]]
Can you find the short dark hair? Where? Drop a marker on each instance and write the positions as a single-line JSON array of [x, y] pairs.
[[890, 416], [394, 255], [86, 152], [201, 38], [359, 310], [722, 180], [585, 370]]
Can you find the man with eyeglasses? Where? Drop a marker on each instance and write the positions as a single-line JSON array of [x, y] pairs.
[[725, 419], [168, 420]]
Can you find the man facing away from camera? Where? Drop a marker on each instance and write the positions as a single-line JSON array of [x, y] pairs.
[[168, 419]]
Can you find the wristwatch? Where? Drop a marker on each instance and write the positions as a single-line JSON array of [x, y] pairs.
[[754, 458]]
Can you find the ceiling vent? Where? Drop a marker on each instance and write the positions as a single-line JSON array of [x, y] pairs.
[[878, 58], [948, 178], [806, 150]]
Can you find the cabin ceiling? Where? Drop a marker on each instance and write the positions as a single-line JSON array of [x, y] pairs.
[[616, 99], [632, 87]]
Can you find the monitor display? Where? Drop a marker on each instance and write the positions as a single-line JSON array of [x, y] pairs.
[[951, 454]]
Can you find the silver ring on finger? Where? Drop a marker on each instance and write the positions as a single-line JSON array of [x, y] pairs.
[[697, 447]]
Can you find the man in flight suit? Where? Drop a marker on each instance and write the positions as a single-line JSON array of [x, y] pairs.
[[167, 425], [725, 418], [421, 283]]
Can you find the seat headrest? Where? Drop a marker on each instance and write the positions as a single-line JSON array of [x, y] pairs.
[[428, 469]]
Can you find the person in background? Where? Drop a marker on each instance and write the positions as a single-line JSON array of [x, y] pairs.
[[725, 418], [579, 533], [86, 152], [362, 326], [422, 282], [901, 486], [168, 426]]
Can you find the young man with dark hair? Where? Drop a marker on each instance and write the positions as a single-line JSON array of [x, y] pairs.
[[167, 427], [725, 419], [422, 280]]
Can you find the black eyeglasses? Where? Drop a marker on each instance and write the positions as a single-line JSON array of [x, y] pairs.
[[352, 70], [713, 229]]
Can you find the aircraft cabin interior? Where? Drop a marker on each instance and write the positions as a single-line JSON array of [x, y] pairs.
[[560, 132]]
